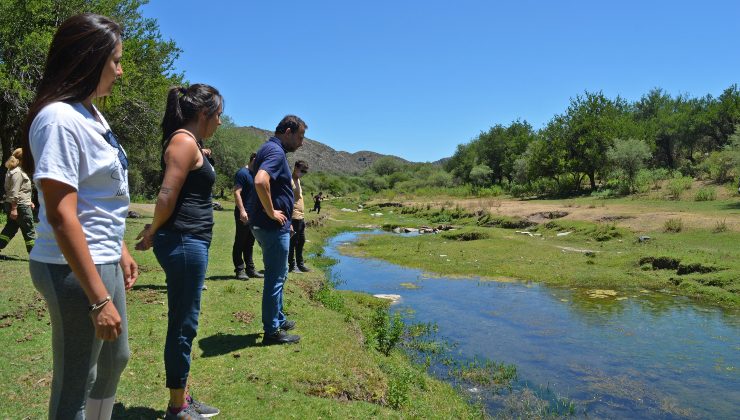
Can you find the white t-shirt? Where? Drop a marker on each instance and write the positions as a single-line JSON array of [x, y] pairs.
[[68, 146]]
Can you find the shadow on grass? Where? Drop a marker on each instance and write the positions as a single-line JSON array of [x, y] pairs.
[[231, 277], [162, 287], [11, 258], [732, 206], [144, 413], [220, 344]]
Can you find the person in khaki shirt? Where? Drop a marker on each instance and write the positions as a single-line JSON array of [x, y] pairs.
[[18, 205], [298, 238]]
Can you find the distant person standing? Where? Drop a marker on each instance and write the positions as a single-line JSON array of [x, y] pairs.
[[298, 239], [18, 204], [270, 209], [317, 202], [241, 252]]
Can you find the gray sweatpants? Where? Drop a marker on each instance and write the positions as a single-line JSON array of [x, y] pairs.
[[84, 366]]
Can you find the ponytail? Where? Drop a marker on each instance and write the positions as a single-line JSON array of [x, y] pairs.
[[184, 104]]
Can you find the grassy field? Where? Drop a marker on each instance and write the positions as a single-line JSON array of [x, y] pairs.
[[680, 255], [334, 372]]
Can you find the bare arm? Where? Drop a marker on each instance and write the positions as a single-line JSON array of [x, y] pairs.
[[182, 155], [61, 213], [262, 186], [243, 216]]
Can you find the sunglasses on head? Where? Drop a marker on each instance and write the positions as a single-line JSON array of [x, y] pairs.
[[113, 141]]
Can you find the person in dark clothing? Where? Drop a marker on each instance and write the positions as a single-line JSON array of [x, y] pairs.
[[298, 239], [241, 252], [317, 202], [181, 232], [270, 209]]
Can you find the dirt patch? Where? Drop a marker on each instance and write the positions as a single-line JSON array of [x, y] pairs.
[[244, 316], [638, 216], [661, 263], [542, 216], [612, 219]]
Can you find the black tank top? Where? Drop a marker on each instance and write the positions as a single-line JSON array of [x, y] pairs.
[[193, 211]]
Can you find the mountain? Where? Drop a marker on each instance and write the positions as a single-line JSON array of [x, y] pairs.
[[322, 158]]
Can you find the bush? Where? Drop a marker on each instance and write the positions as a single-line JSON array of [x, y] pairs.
[[673, 225], [678, 185], [387, 332], [705, 194]]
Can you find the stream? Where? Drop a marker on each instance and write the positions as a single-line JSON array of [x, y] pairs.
[[635, 355]]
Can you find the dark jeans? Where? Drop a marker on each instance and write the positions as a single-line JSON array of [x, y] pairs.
[[295, 253], [241, 252], [275, 256], [24, 222], [184, 258]]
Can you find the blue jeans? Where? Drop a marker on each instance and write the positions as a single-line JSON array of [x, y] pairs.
[[275, 257], [184, 258]]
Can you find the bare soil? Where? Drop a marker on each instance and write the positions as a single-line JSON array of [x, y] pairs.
[[639, 217]]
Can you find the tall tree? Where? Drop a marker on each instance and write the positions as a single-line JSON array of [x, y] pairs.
[[136, 107]]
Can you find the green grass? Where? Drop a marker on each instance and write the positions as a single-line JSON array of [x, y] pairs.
[[331, 373], [593, 255]]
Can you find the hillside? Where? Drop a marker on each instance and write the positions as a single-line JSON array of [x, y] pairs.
[[322, 158]]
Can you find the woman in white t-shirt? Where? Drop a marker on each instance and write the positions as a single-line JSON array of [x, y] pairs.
[[80, 263]]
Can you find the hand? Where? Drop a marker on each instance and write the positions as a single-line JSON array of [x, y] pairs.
[[107, 322], [146, 237], [14, 214], [130, 270], [278, 216], [207, 152], [33, 206], [243, 217]]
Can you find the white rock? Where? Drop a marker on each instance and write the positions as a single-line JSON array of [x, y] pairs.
[[563, 234], [392, 298]]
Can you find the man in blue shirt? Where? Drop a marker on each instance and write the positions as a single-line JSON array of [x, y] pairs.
[[270, 207], [241, 252]]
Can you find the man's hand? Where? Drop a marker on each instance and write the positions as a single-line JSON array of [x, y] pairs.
[[243, 217], [278, 216], [14, 214]]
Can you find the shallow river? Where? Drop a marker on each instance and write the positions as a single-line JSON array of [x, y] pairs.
[[651, 355]]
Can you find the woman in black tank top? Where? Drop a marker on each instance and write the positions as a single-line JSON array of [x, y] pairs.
[[181, 230]]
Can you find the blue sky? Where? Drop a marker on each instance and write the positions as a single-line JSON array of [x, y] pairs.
[[417, 78]]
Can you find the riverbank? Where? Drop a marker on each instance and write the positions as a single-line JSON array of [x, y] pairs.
[[556, 246], [334, 372]]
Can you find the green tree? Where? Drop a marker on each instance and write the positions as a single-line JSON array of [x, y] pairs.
[[480, 175], [592, 122], [135, 109], [629, 157]]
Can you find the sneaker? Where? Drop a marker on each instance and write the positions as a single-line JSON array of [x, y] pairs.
[[280, 337], [241, 275], [204, 410], [287, 325], [291, 269], [188, 413], [253, 274], [303, 268]]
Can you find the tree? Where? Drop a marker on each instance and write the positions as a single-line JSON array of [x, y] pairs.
[[592, 122], [629, 157], [135, 109], [480, 175]]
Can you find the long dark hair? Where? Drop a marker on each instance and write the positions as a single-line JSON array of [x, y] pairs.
[[184, 104], [78, 53]]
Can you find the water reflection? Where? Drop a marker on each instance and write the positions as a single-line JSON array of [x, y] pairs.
[[634, 355]]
